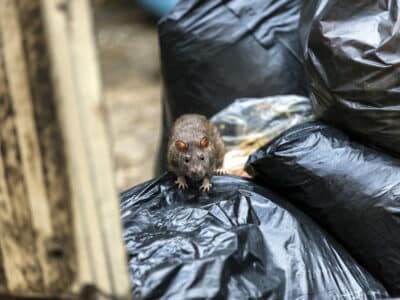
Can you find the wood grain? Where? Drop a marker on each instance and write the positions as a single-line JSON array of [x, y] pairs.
[[22, 268], [60, 231], [60, 248]]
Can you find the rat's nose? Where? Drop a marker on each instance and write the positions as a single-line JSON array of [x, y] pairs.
[[193, 170]]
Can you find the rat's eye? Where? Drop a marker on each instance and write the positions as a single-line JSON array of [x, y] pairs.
[[187, 159], [201, 156]]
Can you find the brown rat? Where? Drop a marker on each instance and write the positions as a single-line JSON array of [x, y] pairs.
[[195, 150]]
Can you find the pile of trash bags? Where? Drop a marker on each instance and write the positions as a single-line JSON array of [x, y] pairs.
[[241, 241], [320, 216], [216, 51]]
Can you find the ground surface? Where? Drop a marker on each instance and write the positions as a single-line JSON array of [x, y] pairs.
[[128, 48]]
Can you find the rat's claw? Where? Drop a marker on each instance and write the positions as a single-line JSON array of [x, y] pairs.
[[206, 186], [221, 171], [182, 186], [181, 182]]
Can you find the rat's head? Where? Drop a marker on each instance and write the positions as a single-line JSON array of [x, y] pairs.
[[195, 160]]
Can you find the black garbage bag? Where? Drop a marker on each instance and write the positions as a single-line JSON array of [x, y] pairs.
[[353, 60], [238, 242], [351, 190], [215, 51]]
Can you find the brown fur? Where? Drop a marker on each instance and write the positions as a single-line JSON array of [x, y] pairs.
[[190, 129]]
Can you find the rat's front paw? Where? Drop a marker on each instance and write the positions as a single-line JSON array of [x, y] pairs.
[[221, 171], [206, 186], [181, 182]]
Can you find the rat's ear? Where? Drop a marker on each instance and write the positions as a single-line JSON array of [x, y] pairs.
[[181, 146], [204, 142]]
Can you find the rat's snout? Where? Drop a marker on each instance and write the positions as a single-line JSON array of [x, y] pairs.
[[196, 172]]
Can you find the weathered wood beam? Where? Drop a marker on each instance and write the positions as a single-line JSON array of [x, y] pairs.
[[60, 231]]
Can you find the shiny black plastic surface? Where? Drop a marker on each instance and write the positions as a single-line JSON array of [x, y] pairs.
[[239, 242], [352, 52], [351, 190]]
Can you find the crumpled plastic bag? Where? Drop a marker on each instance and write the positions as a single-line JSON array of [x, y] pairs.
[[239, 242], [216, 51], [351, 190], [249, 123], [352, 56]]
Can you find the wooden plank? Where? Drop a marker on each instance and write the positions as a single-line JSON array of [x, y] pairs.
[[92, 111], [75, 69], [59, 211], [22, 103], [27, 139], [82, 190], [5, 207], [22, 268], [61, 248]]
